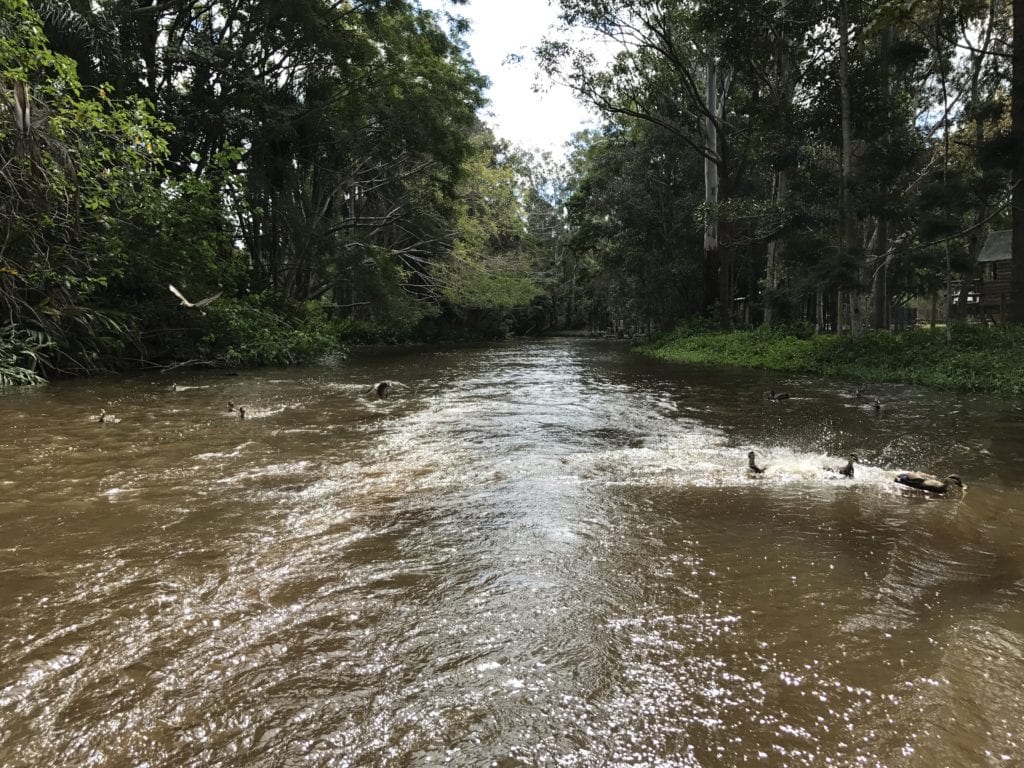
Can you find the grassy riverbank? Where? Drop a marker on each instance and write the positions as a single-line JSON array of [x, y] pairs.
[[977, 359]]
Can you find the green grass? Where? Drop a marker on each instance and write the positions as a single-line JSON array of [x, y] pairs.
[[977, 359]]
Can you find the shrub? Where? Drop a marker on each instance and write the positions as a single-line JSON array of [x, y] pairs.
[[261, 329]]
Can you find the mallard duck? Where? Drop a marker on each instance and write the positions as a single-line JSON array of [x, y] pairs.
[[776, 396], [382, 388], [847, 469], [924, 482], [752, 465], [107, 418], [194, 304]]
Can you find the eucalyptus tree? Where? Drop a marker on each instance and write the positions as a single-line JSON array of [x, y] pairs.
[[722, 78], [631, 226], [669, 71]]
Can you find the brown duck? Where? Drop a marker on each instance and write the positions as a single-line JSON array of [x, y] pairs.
[[752, 465], [929, 483], [383, 388]]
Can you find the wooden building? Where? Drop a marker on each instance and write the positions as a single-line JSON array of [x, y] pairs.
[[995, 261]]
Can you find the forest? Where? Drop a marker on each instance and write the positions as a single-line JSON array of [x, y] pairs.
[[320, 170]]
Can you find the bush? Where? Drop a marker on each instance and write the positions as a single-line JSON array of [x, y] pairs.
[[261, 329], [22, 353]]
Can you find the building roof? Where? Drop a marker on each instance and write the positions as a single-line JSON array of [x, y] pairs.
[[997, 246]]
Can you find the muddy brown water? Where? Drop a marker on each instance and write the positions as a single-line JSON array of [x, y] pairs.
[[546, 553]]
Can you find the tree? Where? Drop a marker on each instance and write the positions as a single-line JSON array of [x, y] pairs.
[[661, 77], [1017, 178], [73, 160]]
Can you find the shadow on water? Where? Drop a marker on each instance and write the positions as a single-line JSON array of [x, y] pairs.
[[544, 553]]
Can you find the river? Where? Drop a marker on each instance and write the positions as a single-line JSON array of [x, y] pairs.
[[545, 553]]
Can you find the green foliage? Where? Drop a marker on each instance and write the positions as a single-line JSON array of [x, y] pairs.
[[263, 330], [67, 181], [978, 359], [813, 203], [22, 356], [489, 266]]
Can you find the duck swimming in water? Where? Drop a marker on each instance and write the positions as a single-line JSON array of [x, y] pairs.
[[107, 418], [847, 470], [383, 388], [752, 465], [231, 406], [929, 483], [776, 396], [241, 411]]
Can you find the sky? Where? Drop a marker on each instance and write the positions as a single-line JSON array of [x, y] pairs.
[[538, 121]]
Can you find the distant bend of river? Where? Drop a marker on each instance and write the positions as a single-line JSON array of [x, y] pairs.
[[545, 553]]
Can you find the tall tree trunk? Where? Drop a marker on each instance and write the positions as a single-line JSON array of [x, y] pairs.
[[773, 265], [845, 219], [945, 177], [712, 255], [787, 92], [1017, 131], [880, 275], [877, 272]]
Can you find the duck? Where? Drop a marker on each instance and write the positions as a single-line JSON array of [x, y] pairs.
[[241, 411], [198, 305], [752, 465], [776, 396], [382, 388], [877, 405], [924, 482], [231, 406], [847, 469], [107, 418]]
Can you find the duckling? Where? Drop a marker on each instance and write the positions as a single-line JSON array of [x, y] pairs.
[[776, 396], [107, 418], [929, 483], [382, 388], [752, 465]]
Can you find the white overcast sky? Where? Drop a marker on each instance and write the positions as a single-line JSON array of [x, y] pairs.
[[538, 121]]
